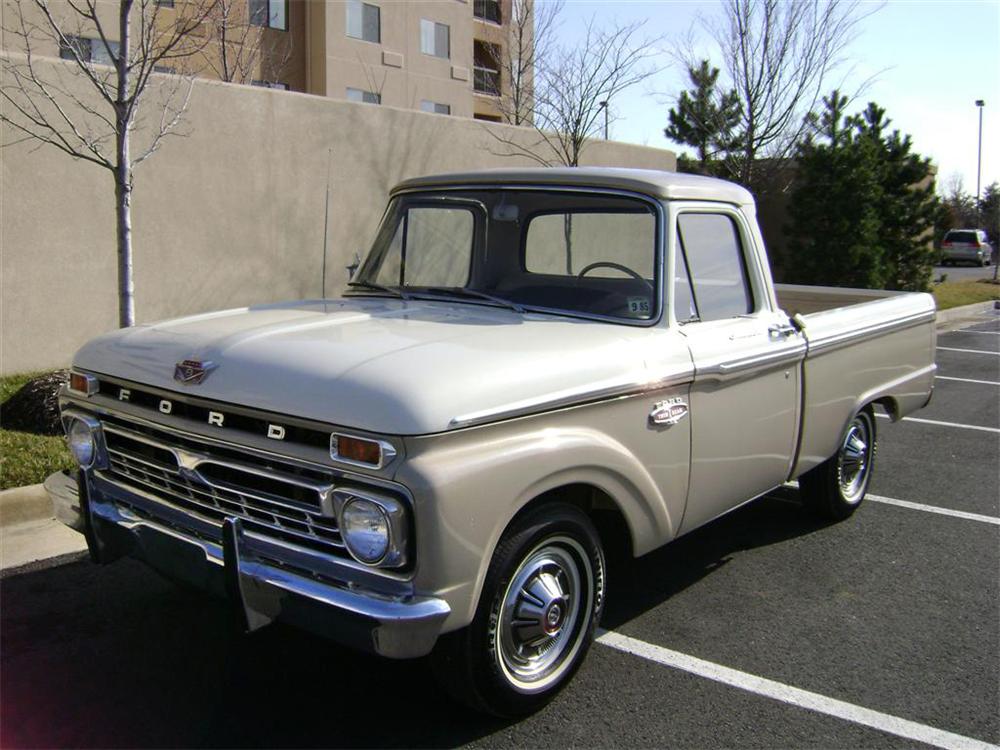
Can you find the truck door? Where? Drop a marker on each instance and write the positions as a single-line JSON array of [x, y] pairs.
[[744, 402]]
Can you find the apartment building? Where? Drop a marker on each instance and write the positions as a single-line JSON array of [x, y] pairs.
[[441, 56]]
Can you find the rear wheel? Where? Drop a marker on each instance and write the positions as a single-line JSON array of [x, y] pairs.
[[837, 486], [539, 607]]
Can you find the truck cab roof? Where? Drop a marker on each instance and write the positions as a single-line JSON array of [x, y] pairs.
[[651, 182]]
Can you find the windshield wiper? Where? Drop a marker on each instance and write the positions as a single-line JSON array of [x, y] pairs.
[[462, 291], [379, 288]]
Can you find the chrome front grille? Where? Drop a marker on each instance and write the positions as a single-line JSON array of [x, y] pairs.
[[283, 502]]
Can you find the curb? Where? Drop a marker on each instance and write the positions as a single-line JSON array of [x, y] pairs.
[[966, 312], [23, 504]]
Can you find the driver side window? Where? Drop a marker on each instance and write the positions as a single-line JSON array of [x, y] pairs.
[[711, 280]]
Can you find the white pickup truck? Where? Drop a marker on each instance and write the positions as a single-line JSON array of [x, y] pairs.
[[528, 368]]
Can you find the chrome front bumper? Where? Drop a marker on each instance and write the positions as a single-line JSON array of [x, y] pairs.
[[353, 607]]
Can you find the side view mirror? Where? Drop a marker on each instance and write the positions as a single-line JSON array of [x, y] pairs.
[[352, 267]]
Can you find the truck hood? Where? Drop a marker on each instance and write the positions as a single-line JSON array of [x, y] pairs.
[[383, 365]]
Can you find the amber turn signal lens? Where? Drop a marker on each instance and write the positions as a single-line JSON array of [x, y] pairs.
[[356, 449], [85, 384]]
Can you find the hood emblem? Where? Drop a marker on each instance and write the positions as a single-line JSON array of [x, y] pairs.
[[192, 371]]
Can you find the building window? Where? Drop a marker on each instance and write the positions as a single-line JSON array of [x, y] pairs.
[[272, 14], [165, 3], [270, 85], [365, 97], [364, 21], [168, 69], [435, 39], [487, 10], [486, 68], [88, 50], [434, 107]]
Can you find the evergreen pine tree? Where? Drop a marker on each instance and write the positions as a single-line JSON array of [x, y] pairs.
[[989, 212], [833, 236], [907, 208], [862, 209], [704, 118]]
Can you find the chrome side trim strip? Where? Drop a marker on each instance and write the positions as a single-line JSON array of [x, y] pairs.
[[840, 339], [573, 398], [751, 364]]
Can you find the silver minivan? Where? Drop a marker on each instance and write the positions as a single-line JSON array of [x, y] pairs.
[[966, 245]]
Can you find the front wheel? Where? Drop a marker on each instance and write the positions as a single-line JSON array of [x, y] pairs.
[[837, 486], [541, 602]]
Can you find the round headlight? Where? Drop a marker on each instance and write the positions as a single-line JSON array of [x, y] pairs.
[[365, 530], [82, 444]]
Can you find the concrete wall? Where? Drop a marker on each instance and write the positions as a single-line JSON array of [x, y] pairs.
[[231, 214]]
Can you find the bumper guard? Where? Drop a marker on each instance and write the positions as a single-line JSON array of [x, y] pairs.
[[262, 590]]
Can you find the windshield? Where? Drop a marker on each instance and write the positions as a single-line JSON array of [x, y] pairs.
[[572, 253]]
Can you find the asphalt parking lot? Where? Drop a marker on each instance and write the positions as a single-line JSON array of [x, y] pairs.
[[766, 628], [963, 272]]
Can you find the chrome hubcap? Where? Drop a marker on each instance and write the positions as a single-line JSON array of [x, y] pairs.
[[855, 459], [544, 603]]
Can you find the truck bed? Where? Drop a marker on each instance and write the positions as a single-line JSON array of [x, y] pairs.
[[864, 346]]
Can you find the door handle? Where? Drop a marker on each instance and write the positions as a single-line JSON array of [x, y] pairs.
[[782, 331]]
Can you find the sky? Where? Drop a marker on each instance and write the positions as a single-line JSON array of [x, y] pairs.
[[927, 62]]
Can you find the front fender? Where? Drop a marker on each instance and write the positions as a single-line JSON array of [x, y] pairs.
[[468, 485]]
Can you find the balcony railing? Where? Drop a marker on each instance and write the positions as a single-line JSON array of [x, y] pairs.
[[487, 10], [486, 81]]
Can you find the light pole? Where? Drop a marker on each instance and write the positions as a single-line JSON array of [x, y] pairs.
[[604, 105], [979, 160]]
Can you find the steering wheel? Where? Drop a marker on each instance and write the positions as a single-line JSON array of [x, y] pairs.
[[617, 267]]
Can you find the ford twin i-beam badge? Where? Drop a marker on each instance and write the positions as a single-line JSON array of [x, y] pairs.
[[192, 371]]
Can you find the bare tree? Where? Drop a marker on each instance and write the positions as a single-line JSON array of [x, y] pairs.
[[243, 51], [89, 106], [573, 86], [530, 40], [376, 78], [778, 56]]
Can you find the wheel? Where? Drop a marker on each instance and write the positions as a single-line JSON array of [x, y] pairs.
[[837, 486], [541, 602]]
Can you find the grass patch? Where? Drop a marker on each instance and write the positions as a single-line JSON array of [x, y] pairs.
[[26, 458], [958, 293]]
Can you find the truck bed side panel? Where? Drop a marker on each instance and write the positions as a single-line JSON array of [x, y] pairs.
[[881, 350]]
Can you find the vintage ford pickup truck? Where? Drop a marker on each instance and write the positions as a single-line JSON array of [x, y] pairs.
[[529, 368]]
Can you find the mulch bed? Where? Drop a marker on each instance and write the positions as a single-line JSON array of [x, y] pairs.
[[35, 407]]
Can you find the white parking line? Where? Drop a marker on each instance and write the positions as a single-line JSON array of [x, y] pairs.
[[967, 351], [888, 723], [969, 330], [968, 380], [794, 485], [934, 509], [880, 415]]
